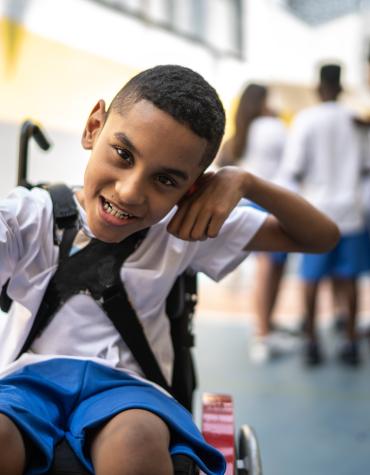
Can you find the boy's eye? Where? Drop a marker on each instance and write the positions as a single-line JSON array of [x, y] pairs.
[[166, 180], [125, 154]]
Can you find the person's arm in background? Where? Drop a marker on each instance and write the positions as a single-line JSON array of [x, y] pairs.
[[363, 129]]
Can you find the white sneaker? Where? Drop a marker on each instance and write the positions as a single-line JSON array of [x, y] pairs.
[[284, 343], [259, 350], [265, 348]]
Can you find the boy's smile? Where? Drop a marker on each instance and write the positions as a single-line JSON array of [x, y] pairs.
[[142, 163]]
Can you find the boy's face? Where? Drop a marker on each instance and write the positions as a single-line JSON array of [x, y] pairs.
[[142, 163]]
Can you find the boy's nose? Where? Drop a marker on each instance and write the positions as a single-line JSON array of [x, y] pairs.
[[131, 191]]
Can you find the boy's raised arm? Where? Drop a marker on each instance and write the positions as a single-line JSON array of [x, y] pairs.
[[293, 225]]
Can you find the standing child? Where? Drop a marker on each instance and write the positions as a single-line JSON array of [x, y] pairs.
[[78, 379], [324, 154], [257, 146]]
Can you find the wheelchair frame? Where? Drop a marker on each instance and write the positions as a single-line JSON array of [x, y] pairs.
[[218, 411]]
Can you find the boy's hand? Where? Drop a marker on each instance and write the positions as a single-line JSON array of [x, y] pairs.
[[201, 214]]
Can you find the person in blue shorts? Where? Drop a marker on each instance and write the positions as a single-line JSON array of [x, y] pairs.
[[325, 155], [79, 380], [257, 146]]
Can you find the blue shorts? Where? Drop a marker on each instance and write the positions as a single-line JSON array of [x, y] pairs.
[[349, 259], [275, 257], [278, 257], [66, 397]]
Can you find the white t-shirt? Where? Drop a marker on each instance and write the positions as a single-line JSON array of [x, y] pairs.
[[80, 329], [366, 186], [324, 147], [266, 140]]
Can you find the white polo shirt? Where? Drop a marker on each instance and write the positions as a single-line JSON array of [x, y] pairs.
[[80, 329], [324, 147]]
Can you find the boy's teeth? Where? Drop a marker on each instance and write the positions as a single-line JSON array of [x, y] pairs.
[[111, 209]]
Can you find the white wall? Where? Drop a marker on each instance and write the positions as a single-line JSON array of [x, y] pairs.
[[88, 26], [278, 46], [281, 47]]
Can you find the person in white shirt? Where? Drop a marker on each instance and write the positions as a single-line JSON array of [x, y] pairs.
[[257, 146], [79, 380], [324, 155]]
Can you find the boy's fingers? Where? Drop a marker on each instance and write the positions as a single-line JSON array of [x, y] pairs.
[[177, 219], [215, 225], [187, 224], [195, 221], [200, 226]]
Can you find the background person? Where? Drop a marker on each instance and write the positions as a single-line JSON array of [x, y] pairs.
[[324, 154], [257, 146]]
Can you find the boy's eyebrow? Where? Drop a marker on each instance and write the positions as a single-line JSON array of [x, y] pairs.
[[121, 137], [174, 171]]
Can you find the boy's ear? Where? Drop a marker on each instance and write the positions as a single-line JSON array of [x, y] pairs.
[[194, 187], [191, 190], [94, 125]]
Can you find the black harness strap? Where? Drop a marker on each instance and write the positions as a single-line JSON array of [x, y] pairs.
[[95, 270], [65, 218], [114, 300], [64, 206], [66, 243]]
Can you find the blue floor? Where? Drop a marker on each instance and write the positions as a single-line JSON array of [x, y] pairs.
[[308, 422]]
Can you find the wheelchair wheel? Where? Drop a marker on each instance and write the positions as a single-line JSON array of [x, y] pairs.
[[249, 458]]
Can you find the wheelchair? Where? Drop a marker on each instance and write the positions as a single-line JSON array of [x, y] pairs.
[[242, 458]]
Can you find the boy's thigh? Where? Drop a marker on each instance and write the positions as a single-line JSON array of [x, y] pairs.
[[134, 418], [131, 437], [25, 402], [145, 414], [132, 427], [12, 445]]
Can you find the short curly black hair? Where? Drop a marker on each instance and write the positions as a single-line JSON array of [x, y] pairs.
[[182, 93]]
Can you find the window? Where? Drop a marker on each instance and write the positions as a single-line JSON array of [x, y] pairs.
[[215, 23], [316, 12]]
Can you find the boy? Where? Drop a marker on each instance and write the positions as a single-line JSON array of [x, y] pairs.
[[78, 379], [324, 154]]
